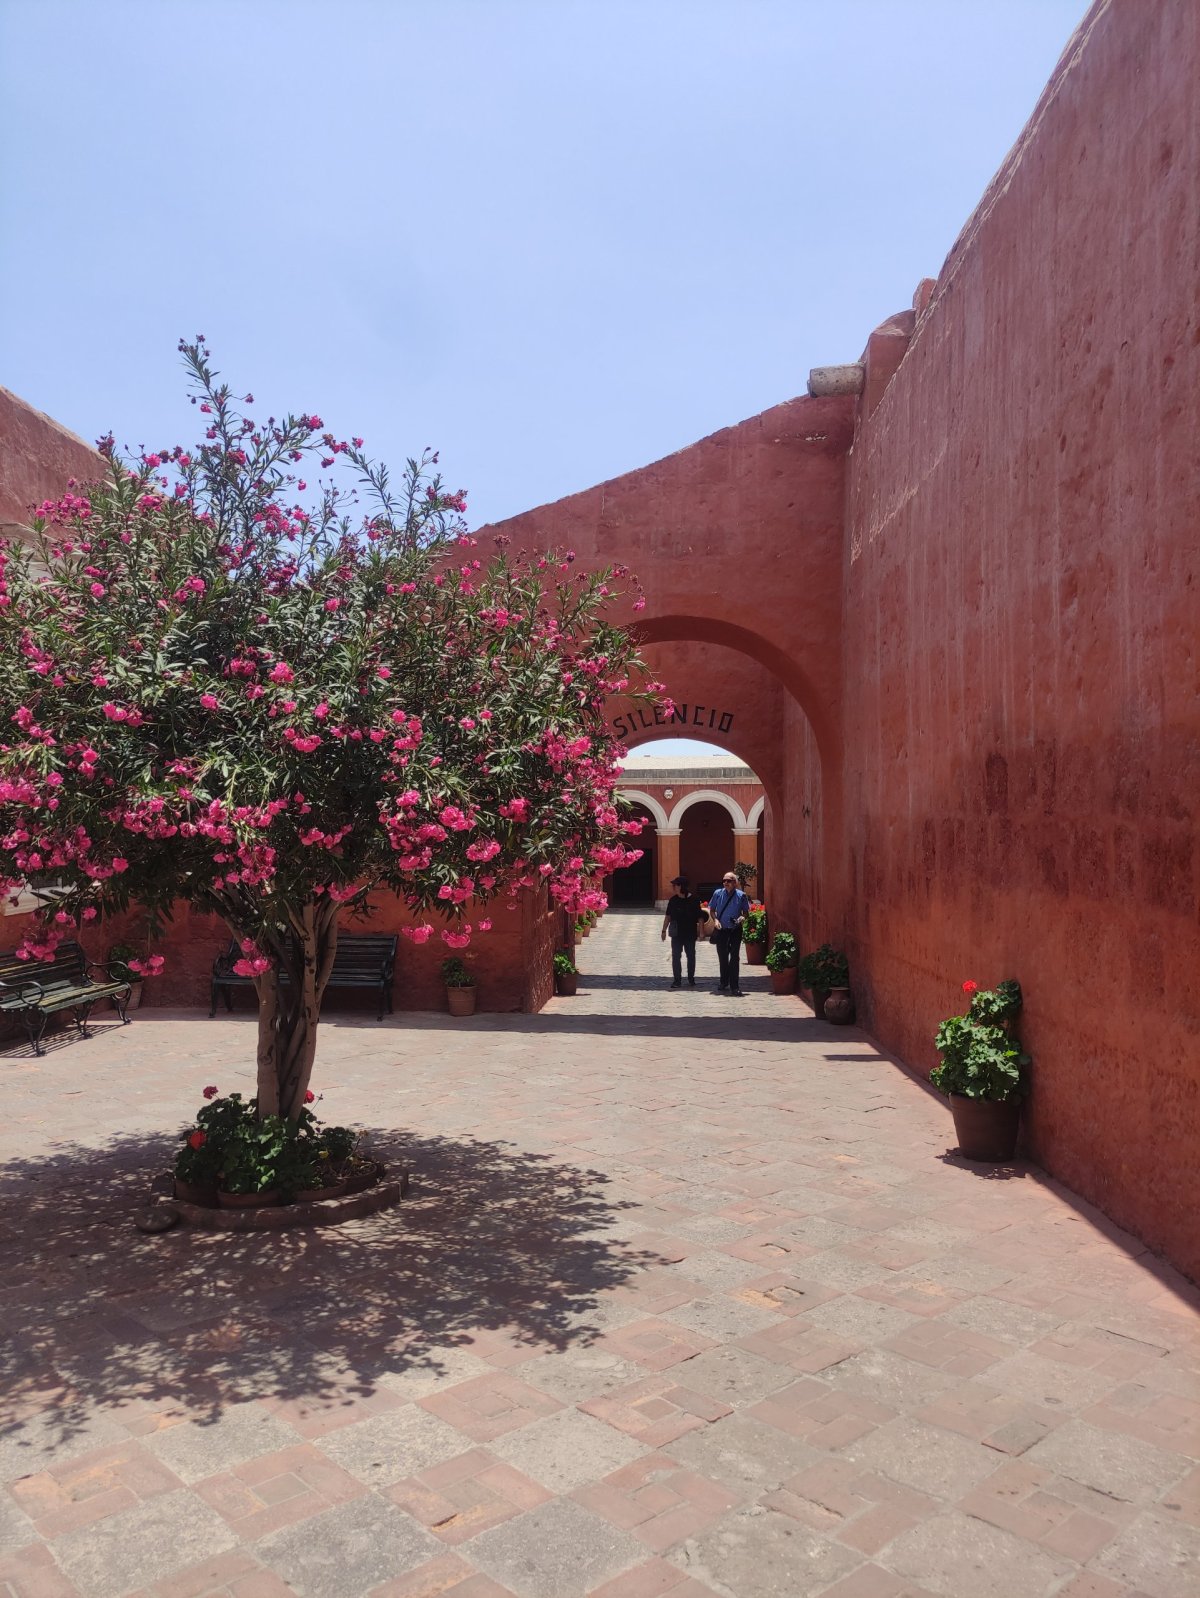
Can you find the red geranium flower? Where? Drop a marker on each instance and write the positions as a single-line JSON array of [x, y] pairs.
[[210, 1093], [309, 1096], [970, 987], [198, 1139]]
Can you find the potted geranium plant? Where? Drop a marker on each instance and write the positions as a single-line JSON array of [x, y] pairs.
[[981, 1071], [781, 962], [459, 980], [566, 976], [754, 934], [822, 972]]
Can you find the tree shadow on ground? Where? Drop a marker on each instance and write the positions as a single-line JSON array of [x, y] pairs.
[[494, 1248]]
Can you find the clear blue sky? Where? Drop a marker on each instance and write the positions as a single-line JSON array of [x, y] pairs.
[[556, 239]]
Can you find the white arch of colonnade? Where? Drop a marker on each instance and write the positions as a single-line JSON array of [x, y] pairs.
[[714, 796], [652, 805], [756, 810]]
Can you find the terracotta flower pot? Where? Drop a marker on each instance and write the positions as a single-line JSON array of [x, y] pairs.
[[986, 1128], [267, 1199], [755, 953], [819, 996], [135, 996], [839, 1007], [360, 1179], [567, 986], [784, 981], [460, 1001]]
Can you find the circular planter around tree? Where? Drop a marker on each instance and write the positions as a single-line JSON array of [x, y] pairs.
[[267, 1199], [460, 1001], [755, 953], [986, 1128], [195, 1192], [784, 981]]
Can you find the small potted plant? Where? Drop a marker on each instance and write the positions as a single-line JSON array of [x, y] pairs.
[[981, 1071], [460, 986], [754, 934], [781, 962], [119, 957], [566, 976], [822, 972]]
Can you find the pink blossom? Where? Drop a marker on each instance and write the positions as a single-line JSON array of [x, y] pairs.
[[210, 701], [457, 940], [420, 934], [97, 590], [282, 673]]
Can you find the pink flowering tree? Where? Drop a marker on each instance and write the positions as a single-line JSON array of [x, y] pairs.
[[268, 700]]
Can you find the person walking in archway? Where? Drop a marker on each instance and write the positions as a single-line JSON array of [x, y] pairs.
[[729, 908], [682, 920]]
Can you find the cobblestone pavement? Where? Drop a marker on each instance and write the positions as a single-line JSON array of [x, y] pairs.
[[688, 1298]]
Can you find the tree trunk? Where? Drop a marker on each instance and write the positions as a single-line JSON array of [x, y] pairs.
[[289, 1011]]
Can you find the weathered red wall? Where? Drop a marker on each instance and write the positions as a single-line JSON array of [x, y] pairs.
[[1022, 630], [37, 456]]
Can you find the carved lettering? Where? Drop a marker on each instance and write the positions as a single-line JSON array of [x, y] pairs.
[[726, 721], [680, 714], [697, 715]]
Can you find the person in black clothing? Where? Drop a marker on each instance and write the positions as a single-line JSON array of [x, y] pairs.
[[683, 918]]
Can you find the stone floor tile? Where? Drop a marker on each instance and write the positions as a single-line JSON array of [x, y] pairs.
[[889, 1378], [1110, 1462], [142, 1545], [17, 1529], [565, 1450], [872, 1581], [393, 1446], [733, 1376], [916, 1455], [236, 1574], [956, 1556], [561, 1550], [745, 1455], [759, 1551], [824, 1416], [349, 1549], [578, 1374], [203, 1448], [1156, 1556]]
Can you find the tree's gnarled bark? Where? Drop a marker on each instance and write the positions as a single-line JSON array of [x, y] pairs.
[[289, 1011]]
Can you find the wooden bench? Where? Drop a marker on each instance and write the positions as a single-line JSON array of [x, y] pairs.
[[33, 990], [360, 962]]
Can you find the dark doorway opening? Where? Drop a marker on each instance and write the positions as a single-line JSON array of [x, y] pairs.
[[634, 885]]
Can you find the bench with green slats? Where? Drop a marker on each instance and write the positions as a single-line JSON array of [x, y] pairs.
[[33, 990], [361, 961]]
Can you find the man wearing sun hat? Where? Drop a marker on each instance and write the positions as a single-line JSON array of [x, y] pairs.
[[729, 908], [683, 918]]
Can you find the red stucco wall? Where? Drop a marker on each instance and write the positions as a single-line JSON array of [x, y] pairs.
[[1021, 637], [37, 456]]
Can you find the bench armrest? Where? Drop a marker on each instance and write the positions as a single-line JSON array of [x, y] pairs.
[[22, 990], [107, 969]]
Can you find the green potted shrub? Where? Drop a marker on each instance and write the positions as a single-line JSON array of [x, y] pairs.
[[459, 980], [822, 972], [119, 957], [781, 962], [754, 934], [566, 976], [981, 1071]]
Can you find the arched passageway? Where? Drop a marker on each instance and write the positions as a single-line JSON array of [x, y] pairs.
[[705, 845]]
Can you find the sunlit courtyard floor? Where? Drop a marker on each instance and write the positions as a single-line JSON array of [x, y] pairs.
[[689, 1297]]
